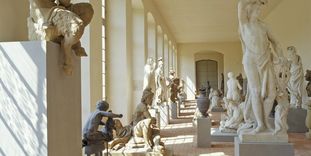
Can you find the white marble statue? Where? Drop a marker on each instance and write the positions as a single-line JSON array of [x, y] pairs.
[[281, 110], [234, 88], [233, 119], [160, 83], [62, 22], [149, 78], [214, 97], [256, 40], [295, 84]]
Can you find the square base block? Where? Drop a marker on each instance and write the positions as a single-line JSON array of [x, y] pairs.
[[296, 120], [204, 132], [217, 136], [262, 149]]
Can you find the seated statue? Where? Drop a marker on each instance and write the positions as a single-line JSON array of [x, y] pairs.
[[62, 22], [144, 132], [281, 110], [214, 97], [141, 111], [91, 132], [234, 117]]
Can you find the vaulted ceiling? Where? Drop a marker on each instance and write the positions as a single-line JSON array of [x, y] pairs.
[[196, 21]]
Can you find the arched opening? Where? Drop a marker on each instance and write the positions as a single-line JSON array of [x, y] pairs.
[[209, 66], [206, 72]]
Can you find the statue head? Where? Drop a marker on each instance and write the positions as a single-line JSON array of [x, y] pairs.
[[160, 62], [117, 124], [102, 105], [147, 96], [291, 50], [150, 61], [230, 75]]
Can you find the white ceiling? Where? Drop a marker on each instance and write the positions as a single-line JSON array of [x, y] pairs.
[[193, 21]]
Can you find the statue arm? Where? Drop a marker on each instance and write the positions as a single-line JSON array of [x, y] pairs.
[[110, 114], [278, 53]]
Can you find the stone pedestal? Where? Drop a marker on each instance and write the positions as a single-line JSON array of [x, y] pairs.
[[164, 116], [296, 120], [154, 112], [262, 149], [40, 110], [138, 152], [203, 132], [217, 136], [174, 110]]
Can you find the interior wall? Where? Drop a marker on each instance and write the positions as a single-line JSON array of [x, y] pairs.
[[13, 15], [232, 58]]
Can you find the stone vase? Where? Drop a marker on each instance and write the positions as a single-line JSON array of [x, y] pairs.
[[308, 122], [203, 103]]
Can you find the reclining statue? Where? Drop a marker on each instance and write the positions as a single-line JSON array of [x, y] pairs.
[[62, 22]]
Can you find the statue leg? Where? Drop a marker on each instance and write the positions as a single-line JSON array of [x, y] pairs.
[[253, 77], [269, 100], [79, 50]]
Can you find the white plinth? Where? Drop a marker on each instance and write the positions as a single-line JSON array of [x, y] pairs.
[[204, 132], [262, 149], [263, 137], [40, 110], [164, 115], [218, 136]]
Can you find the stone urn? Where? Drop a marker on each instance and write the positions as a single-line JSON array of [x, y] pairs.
[[203, 102], [308, 120]]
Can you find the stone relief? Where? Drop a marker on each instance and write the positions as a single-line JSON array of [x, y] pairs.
[[62, 22]]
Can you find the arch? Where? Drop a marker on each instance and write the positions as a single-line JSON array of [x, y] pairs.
[[213, 56]]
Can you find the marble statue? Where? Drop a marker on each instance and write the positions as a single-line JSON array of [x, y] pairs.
[[123, 134], [295, 85], [234, 88], [234, 119], [149, 78], [222, 84], [308, 119], [141, 111], [256, 39], [144, 132], [308, 78], [240, 80], [160, 83], [282, 108], [174, 89], [182, 95], [62, 22], [214, 97], [91, 132]]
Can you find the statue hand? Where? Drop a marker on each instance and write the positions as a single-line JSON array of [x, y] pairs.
[[120, 115]]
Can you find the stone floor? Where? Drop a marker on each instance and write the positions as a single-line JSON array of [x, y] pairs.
[[179, 136]]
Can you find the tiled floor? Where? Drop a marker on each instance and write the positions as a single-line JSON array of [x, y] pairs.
[[180, 137]]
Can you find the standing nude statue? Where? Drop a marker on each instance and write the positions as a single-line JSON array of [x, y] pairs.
[[295, 84], [149, 74], [160, 83], [256, 39]]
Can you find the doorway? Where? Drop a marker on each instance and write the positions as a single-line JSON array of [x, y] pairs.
[[206, 70]]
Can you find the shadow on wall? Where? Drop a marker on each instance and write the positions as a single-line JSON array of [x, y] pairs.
[[23, 105]]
